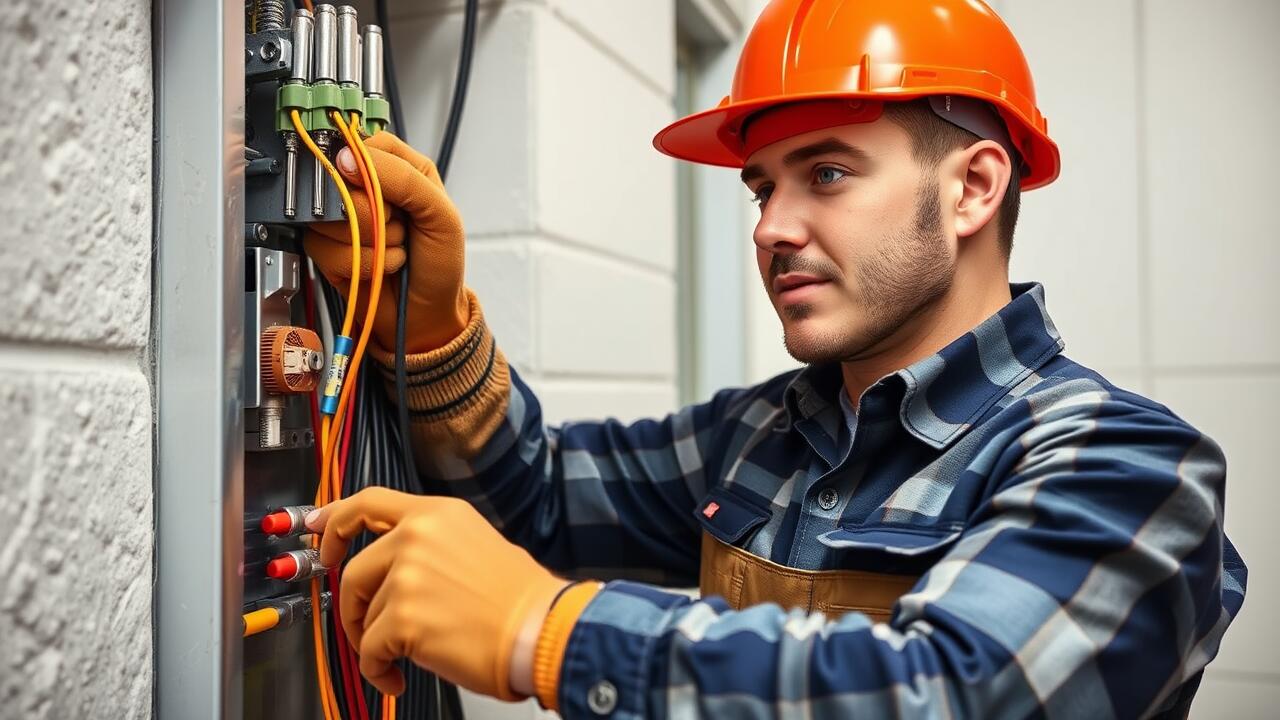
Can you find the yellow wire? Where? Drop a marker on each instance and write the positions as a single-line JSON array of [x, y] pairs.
[[352, 135], [331, 426], [327, 424], [328, 699], [260, 621], [352, 222]]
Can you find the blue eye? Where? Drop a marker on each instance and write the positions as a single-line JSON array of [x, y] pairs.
[[828, 175]]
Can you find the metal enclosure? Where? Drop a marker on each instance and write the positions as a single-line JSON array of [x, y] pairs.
[[199, 346], [218, 283]]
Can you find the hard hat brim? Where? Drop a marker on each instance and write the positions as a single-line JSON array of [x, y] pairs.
[[711, 137]]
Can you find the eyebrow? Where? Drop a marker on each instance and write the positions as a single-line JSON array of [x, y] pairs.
[[829, 146]]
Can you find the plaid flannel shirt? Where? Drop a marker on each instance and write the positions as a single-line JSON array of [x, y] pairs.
[[1069, 533]]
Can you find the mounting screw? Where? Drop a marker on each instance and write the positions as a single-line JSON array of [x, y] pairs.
[[270, 51], [260, 232], [270, 261]]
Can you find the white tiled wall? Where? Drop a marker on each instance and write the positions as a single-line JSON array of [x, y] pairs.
[[1082, 231], [1212, 160], [570, 213], [1159, 251]]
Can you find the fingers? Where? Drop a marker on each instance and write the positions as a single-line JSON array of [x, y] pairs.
[[392, 144], [374, 509], [345, 161], [409, 188], [340, 230], [334, 259], [378, 650], [361, 584]]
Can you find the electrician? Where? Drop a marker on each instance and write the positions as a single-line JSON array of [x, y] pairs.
[[940, 515]]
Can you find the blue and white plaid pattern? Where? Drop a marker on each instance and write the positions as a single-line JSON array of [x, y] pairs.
[[1069, 534]]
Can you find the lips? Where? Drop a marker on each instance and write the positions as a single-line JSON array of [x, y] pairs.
[[790, 284]]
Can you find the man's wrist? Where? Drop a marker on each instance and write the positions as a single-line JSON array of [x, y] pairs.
[[522, 653], [553, 639]]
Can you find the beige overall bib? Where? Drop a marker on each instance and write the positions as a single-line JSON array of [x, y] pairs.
[[743, 580]]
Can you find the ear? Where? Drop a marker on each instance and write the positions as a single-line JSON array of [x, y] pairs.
[[983, 171]]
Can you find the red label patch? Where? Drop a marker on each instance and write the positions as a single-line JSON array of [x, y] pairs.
[[710, 509]]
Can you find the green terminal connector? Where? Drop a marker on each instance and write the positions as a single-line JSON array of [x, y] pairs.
[[377, 115], [325, 98], [293, 96], [352, 101], [314, 103]]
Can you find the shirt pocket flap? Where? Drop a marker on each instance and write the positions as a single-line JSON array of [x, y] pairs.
[[727, 516], [902, 541]]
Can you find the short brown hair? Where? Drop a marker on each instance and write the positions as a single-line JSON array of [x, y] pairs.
[[933, 138]]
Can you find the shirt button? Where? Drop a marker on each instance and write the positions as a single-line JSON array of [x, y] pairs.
[[828, 498], [602, 698]]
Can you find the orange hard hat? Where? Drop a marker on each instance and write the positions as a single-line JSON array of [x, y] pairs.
[[873, 50]]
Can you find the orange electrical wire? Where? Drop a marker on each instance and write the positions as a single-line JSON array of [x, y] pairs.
[[370, 179], [307, 4], [329, 487], [328, 699], [369, 176]]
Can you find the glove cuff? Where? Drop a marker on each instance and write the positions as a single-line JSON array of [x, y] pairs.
[[548, 654], [460, 390]]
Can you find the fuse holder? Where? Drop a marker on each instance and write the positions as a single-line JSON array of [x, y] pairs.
[[295, 565], [287, 520], [283, 567], [277, 523]]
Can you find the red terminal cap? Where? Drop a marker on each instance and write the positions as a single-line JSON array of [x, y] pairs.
[[277, 523], [282, 567]]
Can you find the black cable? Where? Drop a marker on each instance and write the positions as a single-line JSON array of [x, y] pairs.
[[469, 23], [389, 69], [470, 19], [440, 698]]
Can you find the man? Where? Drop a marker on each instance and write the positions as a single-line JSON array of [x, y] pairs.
[[940, 515]]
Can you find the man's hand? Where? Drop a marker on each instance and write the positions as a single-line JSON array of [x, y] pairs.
[[419, 214], [440, 587]]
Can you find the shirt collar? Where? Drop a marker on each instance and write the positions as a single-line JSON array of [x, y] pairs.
[[945, 393]]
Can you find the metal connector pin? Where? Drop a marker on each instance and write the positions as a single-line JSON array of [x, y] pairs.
[[326, 66], [303, 27], [270, 417]]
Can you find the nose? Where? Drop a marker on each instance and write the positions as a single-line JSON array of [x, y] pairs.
[[781, 229]]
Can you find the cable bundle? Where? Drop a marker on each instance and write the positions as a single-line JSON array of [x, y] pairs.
[[360, 443]]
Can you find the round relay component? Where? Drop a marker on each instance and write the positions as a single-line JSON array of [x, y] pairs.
[[291, 359]]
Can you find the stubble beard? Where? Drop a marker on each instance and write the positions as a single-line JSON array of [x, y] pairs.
[[904, 279]]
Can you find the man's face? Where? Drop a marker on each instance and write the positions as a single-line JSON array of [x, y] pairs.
[[850, 243]]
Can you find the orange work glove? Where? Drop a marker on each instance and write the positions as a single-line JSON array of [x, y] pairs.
[[420, 213], [441, 587]]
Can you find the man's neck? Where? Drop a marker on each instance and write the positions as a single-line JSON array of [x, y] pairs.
[[953, 315]]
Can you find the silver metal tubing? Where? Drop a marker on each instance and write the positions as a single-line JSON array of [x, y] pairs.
[[348, 52], [317, 178], [303, 31], [270, 416], [372, 65], [326, 44], [290, 174]]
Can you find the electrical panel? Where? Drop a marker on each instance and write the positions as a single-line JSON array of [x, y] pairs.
[[300, 66], [313, 82]]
